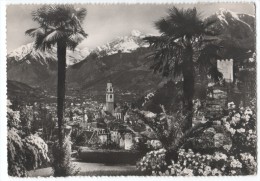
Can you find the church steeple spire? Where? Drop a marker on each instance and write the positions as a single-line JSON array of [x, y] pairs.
[[110, 98]]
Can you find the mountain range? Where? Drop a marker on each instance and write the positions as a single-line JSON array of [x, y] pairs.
[[122, 61]]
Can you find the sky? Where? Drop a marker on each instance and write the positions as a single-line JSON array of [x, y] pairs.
[[104, 22]]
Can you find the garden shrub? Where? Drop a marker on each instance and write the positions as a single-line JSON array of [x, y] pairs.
[[236, 158], [24, 152]]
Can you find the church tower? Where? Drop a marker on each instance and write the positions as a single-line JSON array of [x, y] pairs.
[[110, 98]]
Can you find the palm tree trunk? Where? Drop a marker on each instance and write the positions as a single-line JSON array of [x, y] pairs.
[[61, 54], [188, 85]]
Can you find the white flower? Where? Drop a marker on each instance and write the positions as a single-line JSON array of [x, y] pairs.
[[227, 125], [250, 131], [200, 171], [187, 172], [216, 172], [231, 105], [247, 117], [227, 147], [233, 172], [207, 168], [220, 156], [235, 163], [248, 111], [241, 130], [232, 131]]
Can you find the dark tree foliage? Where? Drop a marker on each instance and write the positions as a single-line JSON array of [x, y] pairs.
[[186, 43]]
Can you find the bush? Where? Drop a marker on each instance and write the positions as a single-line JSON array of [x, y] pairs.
[[153, 162], [24, 153], [238, 158]]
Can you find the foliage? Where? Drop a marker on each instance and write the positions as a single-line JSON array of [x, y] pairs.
[[153, 162], [16, 156], [242, 127], [66, 167], [79, 139], [25, 151], [186, 43], [26, 119], [179, 30], [59, 22], [153, 101], [238, 158], [13, 118], [168, 129]]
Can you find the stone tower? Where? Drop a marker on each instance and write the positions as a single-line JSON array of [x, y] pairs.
[[226, 68], [110, 98]]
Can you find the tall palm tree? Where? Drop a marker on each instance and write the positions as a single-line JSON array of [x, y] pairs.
[[185, 42], [59, 25]]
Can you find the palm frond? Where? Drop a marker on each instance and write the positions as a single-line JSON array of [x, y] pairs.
[[59, 15], [71, 44], [58, 22], [54, 36], [166, 61], [77, 37], [81, 14], [35, 32], [74, 39], [38, 43], [162, 41]]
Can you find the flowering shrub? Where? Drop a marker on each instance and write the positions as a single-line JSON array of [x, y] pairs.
[[237, 158], [153, 162], [205, 165], [24, 152], [242, 127]]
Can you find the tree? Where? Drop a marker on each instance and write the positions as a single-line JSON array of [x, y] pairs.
[[60, 25], [25, 151], [186, 44]]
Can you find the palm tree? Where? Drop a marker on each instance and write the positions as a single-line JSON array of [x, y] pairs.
[[185, 42], [60, 25]]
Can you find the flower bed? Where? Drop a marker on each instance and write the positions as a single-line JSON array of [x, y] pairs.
[[237, 158]]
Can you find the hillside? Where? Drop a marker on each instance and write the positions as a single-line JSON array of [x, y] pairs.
[[127, 71], [18, 91], [122, 61]]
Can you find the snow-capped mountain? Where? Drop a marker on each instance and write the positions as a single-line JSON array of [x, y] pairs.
[[28, 54], [121, 60], [125, 44], [226, 16], [235, 30]]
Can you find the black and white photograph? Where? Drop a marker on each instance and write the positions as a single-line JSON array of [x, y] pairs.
[[131, 89]]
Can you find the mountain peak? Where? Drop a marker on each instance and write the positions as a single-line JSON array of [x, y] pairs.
[[226, 17], [223, 13], [28, 54], [125, 44]]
